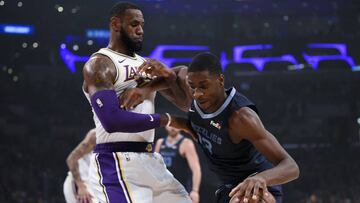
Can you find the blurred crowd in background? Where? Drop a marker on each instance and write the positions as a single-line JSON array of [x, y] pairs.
[[313, 108]]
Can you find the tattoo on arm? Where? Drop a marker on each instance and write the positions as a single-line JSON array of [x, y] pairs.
[[99, 73]]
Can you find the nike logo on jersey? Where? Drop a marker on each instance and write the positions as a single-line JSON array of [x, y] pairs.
[[151, 118], [121, 61], [191, 110], [99, 103]]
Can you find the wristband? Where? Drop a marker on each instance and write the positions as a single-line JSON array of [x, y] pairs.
[[169, 119]]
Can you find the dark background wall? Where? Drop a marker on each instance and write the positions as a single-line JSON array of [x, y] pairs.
[[313, 113]]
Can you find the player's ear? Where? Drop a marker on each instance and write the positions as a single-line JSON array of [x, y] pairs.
[[221, 79], [115, 23]]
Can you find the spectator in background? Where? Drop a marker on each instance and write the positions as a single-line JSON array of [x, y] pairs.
[[180, 157]]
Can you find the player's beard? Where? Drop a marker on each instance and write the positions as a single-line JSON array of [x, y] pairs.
[[129, 43]]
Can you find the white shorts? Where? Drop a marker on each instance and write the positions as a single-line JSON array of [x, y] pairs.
[[69, 189], [131, 177]]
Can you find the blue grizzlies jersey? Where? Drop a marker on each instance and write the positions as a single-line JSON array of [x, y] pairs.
[[231, 162], [176, 163]]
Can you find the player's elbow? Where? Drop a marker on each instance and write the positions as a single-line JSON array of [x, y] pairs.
[[295, 170], [69, 161]]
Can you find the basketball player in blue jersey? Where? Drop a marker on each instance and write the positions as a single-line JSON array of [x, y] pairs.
[[76, 187], [123, 167], [246, 157], [181, 160]]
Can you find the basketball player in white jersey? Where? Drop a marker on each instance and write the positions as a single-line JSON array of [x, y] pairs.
[[123, 167], [76, 188]]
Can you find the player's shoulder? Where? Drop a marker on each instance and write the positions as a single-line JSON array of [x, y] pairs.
[[187, 142], [239, 100], [243, 115], [245, 112], [160, 141], [97, 61]]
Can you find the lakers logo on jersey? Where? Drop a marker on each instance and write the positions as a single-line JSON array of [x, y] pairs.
[[130, 72]]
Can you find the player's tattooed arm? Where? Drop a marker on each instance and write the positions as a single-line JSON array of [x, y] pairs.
[[99, 74], [84, 147]]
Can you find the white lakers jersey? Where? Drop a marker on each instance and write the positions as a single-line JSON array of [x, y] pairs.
[[126, 68]]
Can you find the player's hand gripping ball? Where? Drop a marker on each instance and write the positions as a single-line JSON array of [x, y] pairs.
[[263, 197]]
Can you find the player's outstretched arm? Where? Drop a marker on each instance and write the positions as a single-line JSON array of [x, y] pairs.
[[85, 147], [245, 124], [99, 75]]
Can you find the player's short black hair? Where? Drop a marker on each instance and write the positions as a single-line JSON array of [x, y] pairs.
[[119, 8], [205, 61]]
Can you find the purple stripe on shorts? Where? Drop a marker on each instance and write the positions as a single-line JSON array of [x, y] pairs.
[[121, 177], [110, 179]]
